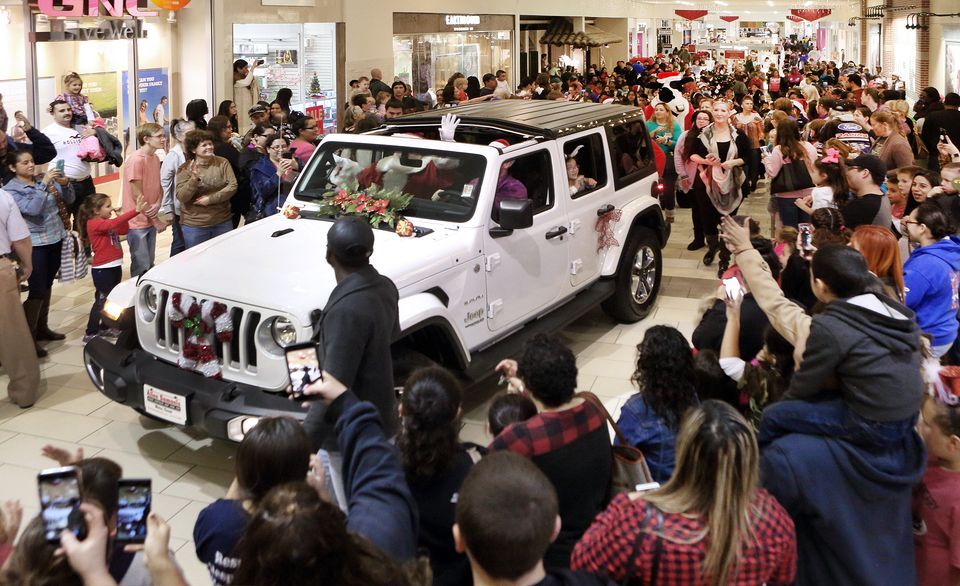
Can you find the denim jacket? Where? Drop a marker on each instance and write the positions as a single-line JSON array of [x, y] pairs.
[[39, 209], [646, 431]]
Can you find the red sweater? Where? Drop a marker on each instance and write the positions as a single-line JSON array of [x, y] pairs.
[[105, 235]]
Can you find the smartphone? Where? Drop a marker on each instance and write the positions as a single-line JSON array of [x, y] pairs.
[[806, 236], [59, 165], [733, 288], [943, 136], [134, 504], [60, 499], [287, 154], [260, 61], [303, 364]]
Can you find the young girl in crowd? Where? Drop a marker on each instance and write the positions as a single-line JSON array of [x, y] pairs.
[[831, 185], [750, 123], [102, 234], [936, 502], [506, 409], [79, 103], [898, 200]]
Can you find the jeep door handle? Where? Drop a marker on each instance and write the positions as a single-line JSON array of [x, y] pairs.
[[605, 209], [556, 232]]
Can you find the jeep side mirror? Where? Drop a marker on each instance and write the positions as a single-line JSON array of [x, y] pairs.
[[514, 214]]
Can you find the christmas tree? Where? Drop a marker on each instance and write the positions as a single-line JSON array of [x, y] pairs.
[[315, 84]]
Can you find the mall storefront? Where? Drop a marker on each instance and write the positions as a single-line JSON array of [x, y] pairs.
[[429, 48], [125, 63]]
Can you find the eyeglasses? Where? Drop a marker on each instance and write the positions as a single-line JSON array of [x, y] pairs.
[[277, 148], [907, 222], [155, 136]]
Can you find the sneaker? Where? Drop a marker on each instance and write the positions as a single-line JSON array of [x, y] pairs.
[[89, 337]]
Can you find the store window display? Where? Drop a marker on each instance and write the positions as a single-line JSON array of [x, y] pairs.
[[299, 57]]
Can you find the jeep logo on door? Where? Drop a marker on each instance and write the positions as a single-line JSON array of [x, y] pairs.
[[474, 317], [92, 8]]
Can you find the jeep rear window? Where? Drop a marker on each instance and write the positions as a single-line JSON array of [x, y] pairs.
[[444, 185]]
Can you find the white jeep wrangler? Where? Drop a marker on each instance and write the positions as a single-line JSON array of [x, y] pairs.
[[482, 272]]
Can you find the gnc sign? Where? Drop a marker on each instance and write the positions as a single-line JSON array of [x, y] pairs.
[[92, 8]]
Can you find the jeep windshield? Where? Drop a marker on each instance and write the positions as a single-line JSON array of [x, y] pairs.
[[444, 185]]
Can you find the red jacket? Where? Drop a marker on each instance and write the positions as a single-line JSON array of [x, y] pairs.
[[105, 235]]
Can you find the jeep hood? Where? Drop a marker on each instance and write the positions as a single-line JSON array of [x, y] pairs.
[[259, 266]]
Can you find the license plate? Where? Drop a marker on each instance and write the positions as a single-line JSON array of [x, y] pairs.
[[165, 405]]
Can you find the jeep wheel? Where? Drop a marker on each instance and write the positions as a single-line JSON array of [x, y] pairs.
[[638, 280]]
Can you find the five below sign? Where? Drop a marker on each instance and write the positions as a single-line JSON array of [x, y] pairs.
[[92, 8]]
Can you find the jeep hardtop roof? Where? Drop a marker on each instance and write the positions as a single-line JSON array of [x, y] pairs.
[[534, 118]]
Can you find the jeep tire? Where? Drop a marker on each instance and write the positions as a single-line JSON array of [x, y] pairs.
[[638, 279]]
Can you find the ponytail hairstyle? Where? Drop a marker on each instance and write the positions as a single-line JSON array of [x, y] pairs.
[[937, 221], [844, 270], [889, 119], [88, 211], [828, 227], [831, 165], [430, 426]]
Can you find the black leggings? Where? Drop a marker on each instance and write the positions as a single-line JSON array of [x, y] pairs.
[[46, 264]]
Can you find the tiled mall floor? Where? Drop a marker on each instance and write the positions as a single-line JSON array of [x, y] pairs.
[[190, 470]]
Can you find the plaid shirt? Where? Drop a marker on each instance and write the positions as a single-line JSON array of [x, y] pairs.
[[611, 546], [549, 431]]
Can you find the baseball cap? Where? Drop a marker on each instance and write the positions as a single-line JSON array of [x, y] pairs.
[[257, 109], [350, 239], [871, 163]]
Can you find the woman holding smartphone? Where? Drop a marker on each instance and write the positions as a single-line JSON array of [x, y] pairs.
[[272, 177], [43, 201]]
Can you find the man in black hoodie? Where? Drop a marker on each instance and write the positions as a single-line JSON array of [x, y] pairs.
[[863, 343], [844, 468]]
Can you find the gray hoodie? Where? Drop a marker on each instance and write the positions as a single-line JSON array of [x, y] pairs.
[[869, 346]]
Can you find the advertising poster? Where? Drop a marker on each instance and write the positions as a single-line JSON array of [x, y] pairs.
[[152, 91], [101, 89]]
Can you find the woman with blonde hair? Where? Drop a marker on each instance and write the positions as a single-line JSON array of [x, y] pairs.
[[879, 246], [890, 144], [710, 523]]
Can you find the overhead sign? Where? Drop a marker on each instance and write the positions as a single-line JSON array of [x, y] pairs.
[[106, 30], [811, 14], [691, 14], [461, 19], [74, 8]]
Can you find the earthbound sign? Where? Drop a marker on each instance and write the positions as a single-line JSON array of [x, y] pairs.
[[92, 8]]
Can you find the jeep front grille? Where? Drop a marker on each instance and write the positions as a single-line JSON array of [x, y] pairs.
[[239, 355]]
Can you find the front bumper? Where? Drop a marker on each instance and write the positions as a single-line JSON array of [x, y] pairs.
[[222, 409]]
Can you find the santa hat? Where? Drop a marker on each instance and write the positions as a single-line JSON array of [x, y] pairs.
[[500, 144], [607, 101]]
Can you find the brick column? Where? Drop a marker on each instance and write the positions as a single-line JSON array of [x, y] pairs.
[[864, 32], [894, 22]]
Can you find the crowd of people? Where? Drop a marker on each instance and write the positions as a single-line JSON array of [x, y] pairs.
[[810, 434]]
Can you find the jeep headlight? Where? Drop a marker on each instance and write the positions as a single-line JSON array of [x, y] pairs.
[[283, 331], [151, 299], [149, 303]]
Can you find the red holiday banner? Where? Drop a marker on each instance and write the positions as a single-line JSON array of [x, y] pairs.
[[810, 14], [793, 18], [691, 14], [729, 18]]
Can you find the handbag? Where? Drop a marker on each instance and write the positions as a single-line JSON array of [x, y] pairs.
[[793, 176], [628, 467]]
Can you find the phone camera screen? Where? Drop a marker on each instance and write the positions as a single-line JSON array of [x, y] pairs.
[[60, 502], [304, 367], [134, 506]]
